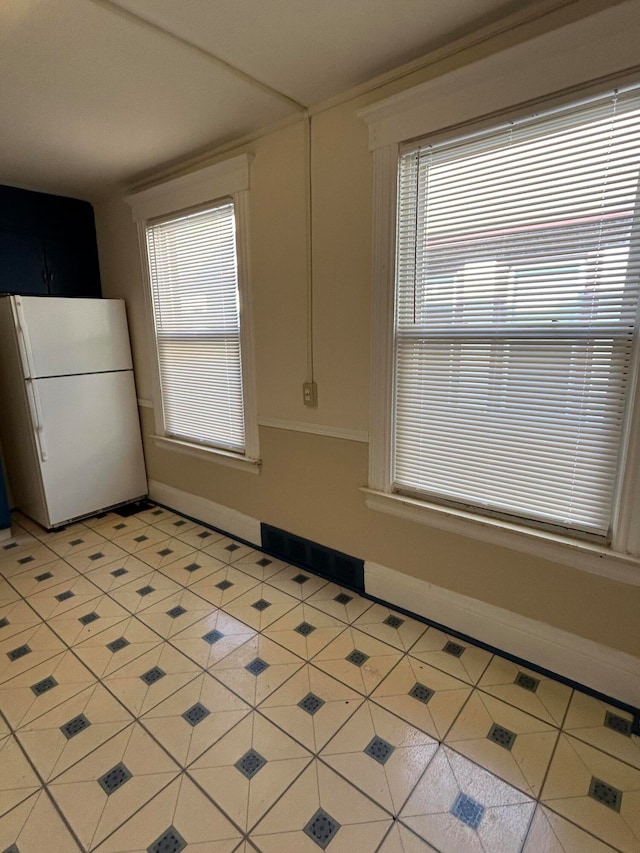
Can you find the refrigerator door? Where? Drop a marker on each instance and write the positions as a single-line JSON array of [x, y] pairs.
[[63, 336], [89, 443]]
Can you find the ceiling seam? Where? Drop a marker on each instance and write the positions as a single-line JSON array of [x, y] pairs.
[[116, 9]]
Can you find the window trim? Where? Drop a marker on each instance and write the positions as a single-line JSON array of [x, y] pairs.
[[552, 69], [226, 179]]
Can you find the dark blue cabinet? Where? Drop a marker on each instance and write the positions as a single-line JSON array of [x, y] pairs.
[[47, 245]]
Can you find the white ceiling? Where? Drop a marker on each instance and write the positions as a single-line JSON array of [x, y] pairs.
[[96, 93]]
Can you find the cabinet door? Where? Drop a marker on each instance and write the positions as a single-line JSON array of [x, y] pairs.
[[71, 269], [22, 267]]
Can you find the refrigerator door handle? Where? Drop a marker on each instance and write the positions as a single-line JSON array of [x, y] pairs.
[[36, 417], [23, 339]]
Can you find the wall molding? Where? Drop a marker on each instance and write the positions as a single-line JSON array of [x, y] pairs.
[[604, 669], [224, 518], [316, 429]]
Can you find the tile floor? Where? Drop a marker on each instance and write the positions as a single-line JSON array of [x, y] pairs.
[[163, 687]]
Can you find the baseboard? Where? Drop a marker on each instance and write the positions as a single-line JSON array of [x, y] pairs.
[[601, 668], [229, 520]]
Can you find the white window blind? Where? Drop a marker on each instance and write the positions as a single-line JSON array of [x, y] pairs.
[[516, 303], [194, 285]]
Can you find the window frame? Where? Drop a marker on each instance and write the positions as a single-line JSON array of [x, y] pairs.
[[224, 181], [430, 110]]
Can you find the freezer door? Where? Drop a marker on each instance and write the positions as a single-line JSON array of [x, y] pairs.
[[63, 336], [89, 443]]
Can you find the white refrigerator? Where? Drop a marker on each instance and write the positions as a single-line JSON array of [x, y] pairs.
[[68, 408]]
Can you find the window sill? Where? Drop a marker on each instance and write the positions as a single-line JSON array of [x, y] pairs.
[[595, 559], [212, 454]]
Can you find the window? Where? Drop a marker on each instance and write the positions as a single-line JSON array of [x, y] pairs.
[[194, 288], [515, 321], [193, 234]]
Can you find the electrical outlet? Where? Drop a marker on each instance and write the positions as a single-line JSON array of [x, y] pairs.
[[310, 394]]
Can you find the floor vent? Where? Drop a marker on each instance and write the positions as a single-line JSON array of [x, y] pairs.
[[338, 567]]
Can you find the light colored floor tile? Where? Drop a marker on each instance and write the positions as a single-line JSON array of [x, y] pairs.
[[402, 840], [53, 750], [212, 638], [155, 514], [27, 649], [566, 791], [195, 566], [450, 654], [34, 826], [591, 720], [171, 615], [162, 553], [21, 541], [180, 811], [524, 760], [391, 627], [41, 688], [232, 670], [313, 723], [150, 678], [93, 558], [362, 824], [7, 593], [43, 577], [550, 833], [16, 561], [296, 582], [175, 525], [88, 620], [17, 779], [438, 700], [72, 592], [91, 812], [186, 738], [261, 606], [100, 518], [114, 525], [222, 587], [397, 755], [111, 576], [75, 538], [305, 630], [342, 603], [361, 676], [199, 536], [242, 783], [135, 541], [16, 616], [260, 566], [145, 591], [497, 815], [228, 550], [542, 696], [132, 639]]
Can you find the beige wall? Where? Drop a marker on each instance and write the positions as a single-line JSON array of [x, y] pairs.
[[309, 484]]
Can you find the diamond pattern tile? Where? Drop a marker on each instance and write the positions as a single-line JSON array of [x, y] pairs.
[[250, 763], [114, 779], [322, 828], [281, 734]]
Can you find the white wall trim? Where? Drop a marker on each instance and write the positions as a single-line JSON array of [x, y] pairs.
[[316, 429], [607, 670], [229, 520], [595, 47], [211, 454], [587, 556], [221, 179]]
